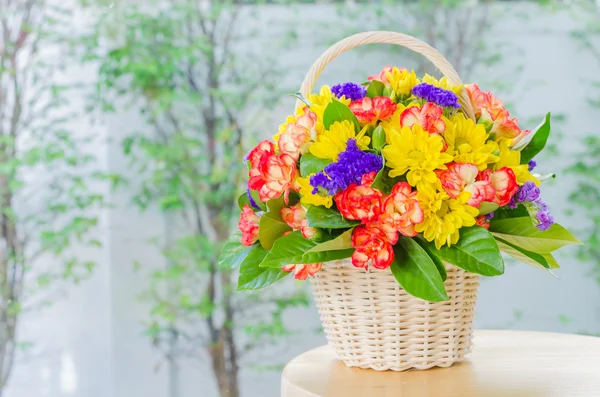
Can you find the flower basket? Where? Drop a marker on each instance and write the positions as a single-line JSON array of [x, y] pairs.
[[372, 322], [394, 197]]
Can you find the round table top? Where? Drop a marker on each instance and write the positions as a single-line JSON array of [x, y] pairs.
[[503, 363]]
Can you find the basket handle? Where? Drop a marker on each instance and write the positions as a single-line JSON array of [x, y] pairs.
[[386, 37]]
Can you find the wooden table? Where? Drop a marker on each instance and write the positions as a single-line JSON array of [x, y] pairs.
[[503, 363]]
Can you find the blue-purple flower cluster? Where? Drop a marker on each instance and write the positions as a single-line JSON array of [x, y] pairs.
[[439, 96], [349, 169], [529, 195], [351, 91], [531, 165]]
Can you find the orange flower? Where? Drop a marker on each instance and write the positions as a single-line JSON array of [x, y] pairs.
[[368, 110], [297, 135], [359, 203], [460, 178], [373, 244], [382, 76], [429, 117], [295, 217], [491, 111], [301, 272], [401, 210], [270, 174], [368, 179], [481, 221], [248, 225], [504, 182]]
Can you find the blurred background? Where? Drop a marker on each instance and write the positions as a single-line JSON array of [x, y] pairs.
[[122, 126]]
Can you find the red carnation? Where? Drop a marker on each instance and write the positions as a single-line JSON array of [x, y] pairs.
[[361, 203], [504, 182], [368, 110], [374, 244]]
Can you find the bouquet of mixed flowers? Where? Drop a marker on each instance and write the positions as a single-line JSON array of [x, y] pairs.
[[394, 173]]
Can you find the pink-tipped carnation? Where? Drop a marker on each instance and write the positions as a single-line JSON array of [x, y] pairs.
[[269, 173], [295, 217], [297, 135], [460, 178], [382, 76], [368, 110], [492, 112], [483, 222], [248, 225], [429, 117], [401, 210], [504, 183], [361, 203], [301, 272], [373, 245]]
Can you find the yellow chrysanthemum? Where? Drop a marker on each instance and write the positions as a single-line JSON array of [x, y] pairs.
[[416, 153], [320, 101], [512, 159], [308, 198], [393, 123], [467, 142], [402, 81], [444, 216], [331, 143], [442, 83]]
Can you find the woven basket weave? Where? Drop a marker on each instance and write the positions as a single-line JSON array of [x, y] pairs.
[[369, 320]]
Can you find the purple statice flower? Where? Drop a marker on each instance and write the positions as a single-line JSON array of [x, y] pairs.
[[490, 216], [528, 192], [251, 200], [529, 195], [512, 204], [531, 165], [439, 96], [350, 90], [349, 169], [544, 217]]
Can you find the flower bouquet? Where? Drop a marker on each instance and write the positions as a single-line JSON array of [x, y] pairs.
[[394, 195]]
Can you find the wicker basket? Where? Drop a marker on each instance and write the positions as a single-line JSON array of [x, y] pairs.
[[369, 320]]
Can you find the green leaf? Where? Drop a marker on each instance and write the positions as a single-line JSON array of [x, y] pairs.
[[378, 139], [523, 233], [475, 252], [486, 207], [243, 200], [505, 213], [311, 164], [538, 142], [375, 89], [416, 272], [551, 261], [275, 205], [337, 111], [294, 249], [520, 254], [252, 276], [327, 218], [341, 242], [379, 182], [270, 228], [233, 253], [438, 262]]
